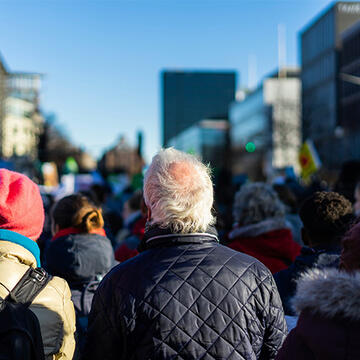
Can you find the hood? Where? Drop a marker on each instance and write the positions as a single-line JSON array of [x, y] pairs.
[[317, 257], [79, 258], [25, 252], [330, 293], [262, 227]]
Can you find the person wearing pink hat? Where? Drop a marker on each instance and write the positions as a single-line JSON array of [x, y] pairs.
[[21, 223]]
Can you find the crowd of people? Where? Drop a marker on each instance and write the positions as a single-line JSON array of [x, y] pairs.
[[151, 278]]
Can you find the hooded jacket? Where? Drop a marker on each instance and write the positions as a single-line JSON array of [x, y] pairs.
[[269, 241], [318, 257], [52, 306], [80, 259], [329, 323], [185, 296]]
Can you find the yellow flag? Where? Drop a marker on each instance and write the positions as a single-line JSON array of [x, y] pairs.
[[308, 159]]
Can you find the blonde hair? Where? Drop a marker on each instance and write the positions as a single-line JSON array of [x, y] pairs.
[[77, 211], [179, 192]]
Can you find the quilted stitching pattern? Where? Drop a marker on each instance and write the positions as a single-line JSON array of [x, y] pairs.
[[193, 301]]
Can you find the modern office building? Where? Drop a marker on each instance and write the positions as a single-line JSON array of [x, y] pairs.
[[3, 92], [321, 45], [22, 122], [349, 105], [191, 96], [207, 139], [265, 126], [349, 95]]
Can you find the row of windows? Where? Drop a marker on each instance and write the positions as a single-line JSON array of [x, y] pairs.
[[320, 71], [319, 38]]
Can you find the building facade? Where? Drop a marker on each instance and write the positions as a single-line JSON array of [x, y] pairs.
[[265, 126], [122, 158], [3, 93], [191, 96], [349, 104], [321, 46], [23, 122], [207, 139]]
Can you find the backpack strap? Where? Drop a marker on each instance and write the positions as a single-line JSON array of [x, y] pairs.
[[29, 286], [89, 288]]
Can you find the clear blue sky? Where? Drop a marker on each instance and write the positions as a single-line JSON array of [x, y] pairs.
[[102, 58]]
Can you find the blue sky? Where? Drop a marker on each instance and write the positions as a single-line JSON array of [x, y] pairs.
[[102, 59]]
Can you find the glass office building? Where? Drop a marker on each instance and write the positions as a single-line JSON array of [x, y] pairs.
[[349, 89], [190, 96], [321, 44], [207, 139], [265, 126]]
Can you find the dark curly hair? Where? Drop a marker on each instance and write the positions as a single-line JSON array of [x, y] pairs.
[[326, 216]]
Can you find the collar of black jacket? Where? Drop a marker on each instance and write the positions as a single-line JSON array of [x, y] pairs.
[[158, 237]]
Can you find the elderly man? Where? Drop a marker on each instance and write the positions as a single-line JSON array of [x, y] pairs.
[[185, 296]]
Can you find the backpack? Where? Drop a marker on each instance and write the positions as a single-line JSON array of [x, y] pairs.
[[82, 300], [20, 336]]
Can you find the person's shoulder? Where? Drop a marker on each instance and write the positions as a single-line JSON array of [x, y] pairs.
[[240, 263], [56, 288], [54, 296], [237, 255], [126, 269]]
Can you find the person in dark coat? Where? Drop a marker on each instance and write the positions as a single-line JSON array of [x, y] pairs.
[[326, 217], [328, 302], [261, 229], [184, 296], [79, 251]]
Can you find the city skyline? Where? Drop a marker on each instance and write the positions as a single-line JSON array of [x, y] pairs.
[[102, 60]]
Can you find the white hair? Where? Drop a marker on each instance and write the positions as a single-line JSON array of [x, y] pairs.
[[179, 192]]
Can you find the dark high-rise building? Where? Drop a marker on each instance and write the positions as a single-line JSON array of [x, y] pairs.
[[350, 74], [321, 43], [191, 96], [349, 92]]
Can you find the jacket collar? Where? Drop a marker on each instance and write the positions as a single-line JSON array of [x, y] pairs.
[[329, 292], [28, 244], [156, 237], [322, 256], [257, 229]]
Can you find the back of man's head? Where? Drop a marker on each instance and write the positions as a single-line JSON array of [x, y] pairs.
[[179, 192], [326, 217]]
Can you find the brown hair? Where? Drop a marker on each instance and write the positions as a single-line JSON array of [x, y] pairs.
[[77, 211]]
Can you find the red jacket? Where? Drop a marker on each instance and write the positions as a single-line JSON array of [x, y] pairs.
[[276, 249], [129, 248]]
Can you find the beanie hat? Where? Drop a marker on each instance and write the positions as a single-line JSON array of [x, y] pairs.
[[21, 206]]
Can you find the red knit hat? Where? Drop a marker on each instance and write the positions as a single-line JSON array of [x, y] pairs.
[[21, 206]]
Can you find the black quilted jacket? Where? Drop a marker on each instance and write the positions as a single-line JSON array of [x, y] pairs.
[[186, 297]]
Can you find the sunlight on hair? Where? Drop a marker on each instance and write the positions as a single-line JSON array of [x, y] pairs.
[[179, 192]]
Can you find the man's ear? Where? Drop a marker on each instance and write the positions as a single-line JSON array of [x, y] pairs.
[[305, 237], [148, 218]]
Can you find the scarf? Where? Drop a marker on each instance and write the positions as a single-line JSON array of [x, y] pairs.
[[73, 230]]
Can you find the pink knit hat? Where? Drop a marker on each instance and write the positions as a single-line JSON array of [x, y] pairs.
[[21, 206]]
